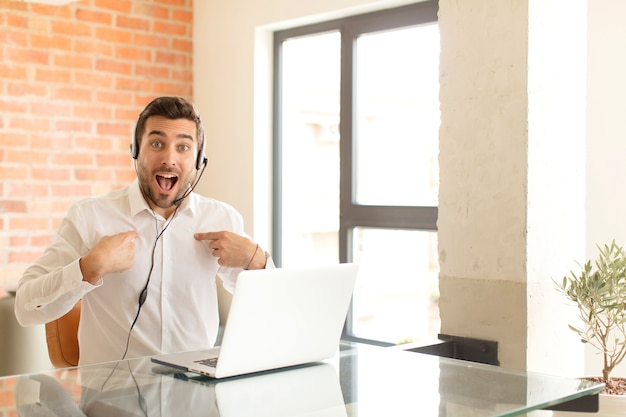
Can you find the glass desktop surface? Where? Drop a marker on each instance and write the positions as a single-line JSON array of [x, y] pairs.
[[359, 380]]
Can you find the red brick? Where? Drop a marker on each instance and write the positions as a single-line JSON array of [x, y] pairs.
[[177, 3], [12, 106], [18, 21], [55, 76], [136, 54], [13, 37], [73, 61], [183, 75], [52, 174], [81, 95], [151, 40], [73, 159], [93, 111], [182, 45], [11, 140], [27, 56], [117, 98], [96, 174], [73, 126], [93, 47], [29, 223], [62, 206], [50, 108], [117, 5], [125, 176], [151, 10], [132, 84], [26, 89], [42, 240], [12, 206], [14, 71], [50, 42], [184, 16], [27, 156], [117, 160], [15, 241], [26, 189], [13, 173], [37, 23], [111, 65], [73, 190], [24, 256], [171, 28], [165, 88], [127, 114], [133, 23], [113, 35], [29, 123], [174, 59], [94, 143], [94, 79], [152, 71], [74, 29], [94, 16], [47, 141], [121, 145], [59, 12], [113, 129]]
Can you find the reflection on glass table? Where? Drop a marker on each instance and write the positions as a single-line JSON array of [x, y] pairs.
[[359, 380]]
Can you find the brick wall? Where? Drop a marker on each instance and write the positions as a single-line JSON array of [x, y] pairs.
[[73, 79]]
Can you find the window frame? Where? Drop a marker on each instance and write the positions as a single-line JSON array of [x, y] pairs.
[[352, 215]]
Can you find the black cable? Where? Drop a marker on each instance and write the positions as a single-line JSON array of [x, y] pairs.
[[144, 292]]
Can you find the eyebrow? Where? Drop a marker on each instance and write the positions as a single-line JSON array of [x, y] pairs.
[[178, 136]]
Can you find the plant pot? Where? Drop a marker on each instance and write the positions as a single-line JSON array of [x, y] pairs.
[[610, 406]]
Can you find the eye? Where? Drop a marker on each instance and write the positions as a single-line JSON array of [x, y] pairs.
[[184, 147], [156, 145]]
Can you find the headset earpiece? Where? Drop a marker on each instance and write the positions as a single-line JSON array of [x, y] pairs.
[[201, 160], [134, 149]]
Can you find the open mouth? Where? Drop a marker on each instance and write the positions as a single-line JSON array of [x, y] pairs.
[[166, 181]]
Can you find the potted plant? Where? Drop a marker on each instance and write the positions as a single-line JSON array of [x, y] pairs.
[[599, 292]]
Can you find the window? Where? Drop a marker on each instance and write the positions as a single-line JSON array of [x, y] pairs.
[[356, 162]]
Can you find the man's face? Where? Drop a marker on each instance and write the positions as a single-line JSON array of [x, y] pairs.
[[167, 161]]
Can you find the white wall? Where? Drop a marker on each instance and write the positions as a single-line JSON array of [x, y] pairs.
[[606, 133]]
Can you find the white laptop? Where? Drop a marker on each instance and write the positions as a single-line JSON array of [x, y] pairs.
[[277, 318]]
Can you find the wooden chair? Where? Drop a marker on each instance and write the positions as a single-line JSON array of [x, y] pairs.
[[62, 338]]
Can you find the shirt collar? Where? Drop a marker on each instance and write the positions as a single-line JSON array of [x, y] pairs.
[[138, 203]]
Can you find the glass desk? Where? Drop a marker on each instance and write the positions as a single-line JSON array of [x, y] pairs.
[[359, 381]]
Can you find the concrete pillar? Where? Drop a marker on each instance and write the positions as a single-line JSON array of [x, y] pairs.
[[511, 202]]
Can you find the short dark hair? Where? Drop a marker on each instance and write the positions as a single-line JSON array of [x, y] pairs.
[[171, 108]]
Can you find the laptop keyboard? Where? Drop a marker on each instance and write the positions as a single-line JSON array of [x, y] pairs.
[[212, 362]]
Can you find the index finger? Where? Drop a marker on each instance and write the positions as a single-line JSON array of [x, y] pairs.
[[131, 234], [207, 236]]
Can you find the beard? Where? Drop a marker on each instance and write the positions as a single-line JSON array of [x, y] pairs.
[[152, 195]]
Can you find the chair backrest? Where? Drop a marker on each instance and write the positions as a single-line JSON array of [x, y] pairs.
[[62, 338]]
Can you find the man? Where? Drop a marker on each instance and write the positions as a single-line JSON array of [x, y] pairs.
[[144, 258]]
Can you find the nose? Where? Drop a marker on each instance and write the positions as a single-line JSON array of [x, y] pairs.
[[169, 156]]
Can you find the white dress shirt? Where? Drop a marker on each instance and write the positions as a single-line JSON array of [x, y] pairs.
[[180, 312]]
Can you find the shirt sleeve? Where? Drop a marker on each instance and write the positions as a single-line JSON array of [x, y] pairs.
[[229, 275], [54, 283]]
